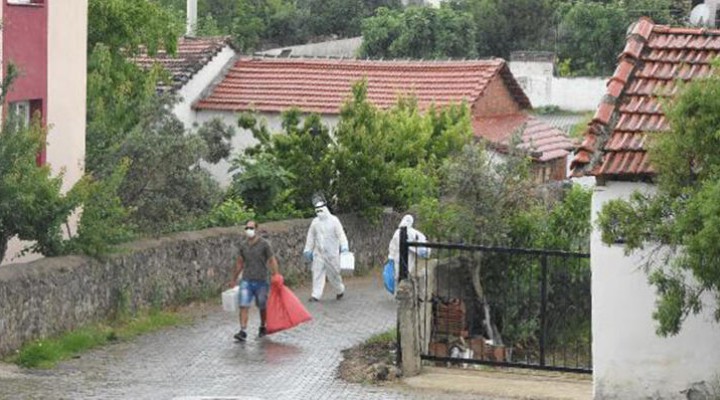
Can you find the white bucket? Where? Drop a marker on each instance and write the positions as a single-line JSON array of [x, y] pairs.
[[230, 299], [347, 262]]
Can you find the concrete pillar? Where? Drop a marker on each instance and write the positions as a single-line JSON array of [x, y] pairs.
[[408, 327], [191, 20]]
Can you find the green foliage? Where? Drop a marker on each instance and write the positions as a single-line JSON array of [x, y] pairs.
[[257, 24], [681, 220], [32, 205], [592, 35], [46, 353], [116, 92], [487, 192], [261, 181], [376, 151], [419, 32], [165, 184], [560, 225], [378, 159], [104, 219], [231, 212], [217, 135], [382, 338], [128, 25]]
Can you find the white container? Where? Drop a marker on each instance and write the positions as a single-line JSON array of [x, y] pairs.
[[347, 262], [230, 299]]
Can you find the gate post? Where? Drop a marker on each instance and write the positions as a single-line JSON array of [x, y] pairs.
[[404, 249], [543, 308], [409, 348]]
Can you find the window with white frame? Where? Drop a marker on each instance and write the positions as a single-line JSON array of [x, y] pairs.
[[25, 2], [20, 112]]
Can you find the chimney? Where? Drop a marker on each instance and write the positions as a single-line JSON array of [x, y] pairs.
[[191, 18], [713, 7]]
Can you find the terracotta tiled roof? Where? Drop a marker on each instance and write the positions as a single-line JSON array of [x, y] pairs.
[[191, 56], [543, 141], [322, 85], [655, 59]]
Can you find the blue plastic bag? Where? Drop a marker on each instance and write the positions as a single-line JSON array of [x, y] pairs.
[[389, 276]]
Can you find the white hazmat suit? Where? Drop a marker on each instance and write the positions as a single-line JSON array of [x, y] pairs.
[[414, 235], [325, 240]]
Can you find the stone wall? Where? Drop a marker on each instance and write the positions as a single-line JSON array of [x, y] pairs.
[[52, 295]]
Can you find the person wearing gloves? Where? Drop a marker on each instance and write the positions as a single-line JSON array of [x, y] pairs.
[[414, 235], [325, 241]]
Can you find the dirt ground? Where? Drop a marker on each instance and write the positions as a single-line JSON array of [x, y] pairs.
[[369, 363]]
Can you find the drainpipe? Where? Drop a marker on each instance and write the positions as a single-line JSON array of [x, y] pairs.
[[191, 18]]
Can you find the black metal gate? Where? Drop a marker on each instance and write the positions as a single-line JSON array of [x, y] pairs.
[[522, 308]]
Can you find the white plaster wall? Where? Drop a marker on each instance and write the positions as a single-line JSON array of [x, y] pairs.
[[576, 94], [630, 361], [544, 89], [243, 138], [192, 90]]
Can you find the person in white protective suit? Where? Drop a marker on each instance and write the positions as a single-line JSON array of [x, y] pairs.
[[414, 235], [325, 241]]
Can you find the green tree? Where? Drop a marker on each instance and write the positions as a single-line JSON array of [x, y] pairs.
[[32, 206], [378, 150], [375, 158], [165, 186], [681, 220], [128, 25], [419, 32], [297, 159], [592, 34]]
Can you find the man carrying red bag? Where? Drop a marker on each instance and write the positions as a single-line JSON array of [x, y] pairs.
[[256, 256]]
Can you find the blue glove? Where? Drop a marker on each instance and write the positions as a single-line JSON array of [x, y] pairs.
[[308, 255], [423, 252], [344, 249]]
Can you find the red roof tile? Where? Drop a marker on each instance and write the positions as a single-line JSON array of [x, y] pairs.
[[541, 140], [323, 85], [655, 58], [191, 56]]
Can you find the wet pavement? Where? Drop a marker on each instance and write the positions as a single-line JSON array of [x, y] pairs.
[[202, 361]]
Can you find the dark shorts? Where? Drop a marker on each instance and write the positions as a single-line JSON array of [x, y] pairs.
[[252, 288]]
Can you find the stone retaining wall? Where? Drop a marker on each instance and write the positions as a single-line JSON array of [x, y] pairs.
[[53, 295]]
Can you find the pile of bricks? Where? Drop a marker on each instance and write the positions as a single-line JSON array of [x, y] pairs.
[[450, 326], [449, 318]]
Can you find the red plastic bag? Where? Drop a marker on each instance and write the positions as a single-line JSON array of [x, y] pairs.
[[284, 309]]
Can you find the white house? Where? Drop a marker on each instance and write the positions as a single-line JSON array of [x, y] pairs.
[[629, 360], [196, 64], [270, 86]]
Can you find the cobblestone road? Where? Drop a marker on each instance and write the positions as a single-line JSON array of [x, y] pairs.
[[202, 360]]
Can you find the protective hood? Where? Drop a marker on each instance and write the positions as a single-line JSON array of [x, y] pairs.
[[322, 212], [407, 221]]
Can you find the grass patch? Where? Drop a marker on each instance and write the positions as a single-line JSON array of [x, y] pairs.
[[383, 338], [553, 110], [46, 353], [578, 130]]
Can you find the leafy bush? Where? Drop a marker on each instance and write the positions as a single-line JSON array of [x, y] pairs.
[[32, 205], [230, 212], [104, 219]]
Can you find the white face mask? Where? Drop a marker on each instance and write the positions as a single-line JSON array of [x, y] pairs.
[[250, 233]]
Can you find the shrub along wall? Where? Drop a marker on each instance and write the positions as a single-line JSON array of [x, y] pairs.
[[53, 295]]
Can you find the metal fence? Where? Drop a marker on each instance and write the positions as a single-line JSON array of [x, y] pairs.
[[525, 308]]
